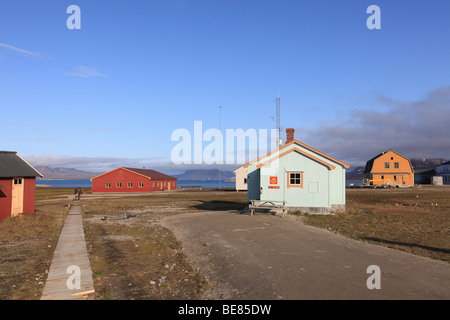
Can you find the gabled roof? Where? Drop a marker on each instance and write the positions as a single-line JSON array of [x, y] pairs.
[[150, 174], [304, 153], [328, 165], [12, 165], [369, 164]]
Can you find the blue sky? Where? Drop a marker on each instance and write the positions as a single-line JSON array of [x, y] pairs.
[[112, 93]]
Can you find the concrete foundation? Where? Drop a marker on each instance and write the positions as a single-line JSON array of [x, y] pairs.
[[318, 210]]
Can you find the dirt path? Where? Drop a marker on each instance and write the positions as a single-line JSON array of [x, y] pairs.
[[267, 257]]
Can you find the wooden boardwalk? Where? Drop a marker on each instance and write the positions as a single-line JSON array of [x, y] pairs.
[[70, 275]]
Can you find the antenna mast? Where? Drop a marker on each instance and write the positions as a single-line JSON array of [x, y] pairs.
[[278, 120], [220, 128]]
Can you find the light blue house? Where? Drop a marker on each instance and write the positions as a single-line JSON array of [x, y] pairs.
[[306, 179]]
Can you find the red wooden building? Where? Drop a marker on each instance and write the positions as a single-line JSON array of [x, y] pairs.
[[133, 180], [17, 185]]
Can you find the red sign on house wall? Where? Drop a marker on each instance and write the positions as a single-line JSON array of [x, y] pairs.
[[273, 180]]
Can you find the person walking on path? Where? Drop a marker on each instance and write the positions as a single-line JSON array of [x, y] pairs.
[[77, 191]]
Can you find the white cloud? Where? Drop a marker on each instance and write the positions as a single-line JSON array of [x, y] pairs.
[[104, 164], [39, 139], [94, 164], [45, 139], [25, 52], [416, 129], [84, 72]]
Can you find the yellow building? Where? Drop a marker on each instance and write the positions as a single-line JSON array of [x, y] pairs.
[[389, 168]]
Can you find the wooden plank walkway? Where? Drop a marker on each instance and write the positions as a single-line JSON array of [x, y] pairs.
[[70, 274]]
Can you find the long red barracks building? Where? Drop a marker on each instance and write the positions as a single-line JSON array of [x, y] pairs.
[[133, 180]]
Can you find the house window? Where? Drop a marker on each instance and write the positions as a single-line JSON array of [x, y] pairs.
[[386, 165], [130, 185], [295, 179], [382, 177], [141, 184], [108, 185], [17, 181], [396, 165], [245, 180], [119, 185]]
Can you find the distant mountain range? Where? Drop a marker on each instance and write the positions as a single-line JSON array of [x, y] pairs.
[[205, 174], [65, 173], [355, 174], [212, 174], [426, 164], [74, 174]]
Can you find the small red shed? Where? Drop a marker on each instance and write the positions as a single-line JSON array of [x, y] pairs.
[[133, 180], [17, 185]]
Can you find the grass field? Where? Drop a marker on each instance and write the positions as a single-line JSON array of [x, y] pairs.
[[416, 220], [137, 258], [26, 245], [49, 193]]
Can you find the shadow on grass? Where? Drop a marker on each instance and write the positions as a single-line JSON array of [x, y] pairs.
[[217, 205], [405, 244]]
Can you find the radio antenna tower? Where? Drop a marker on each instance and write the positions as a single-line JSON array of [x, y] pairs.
[[278, 120], [220, 129]]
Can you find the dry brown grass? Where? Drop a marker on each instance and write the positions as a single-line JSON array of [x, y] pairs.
[[416, 220], [52, 193], [137, 258], [26, 245]]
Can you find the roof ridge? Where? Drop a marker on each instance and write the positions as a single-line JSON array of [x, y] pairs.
[[303, 145], [156, 174]]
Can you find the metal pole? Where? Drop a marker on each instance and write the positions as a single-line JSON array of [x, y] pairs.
[[220, 128]]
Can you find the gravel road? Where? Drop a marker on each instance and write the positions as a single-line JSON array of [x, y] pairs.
[[267, 257]]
